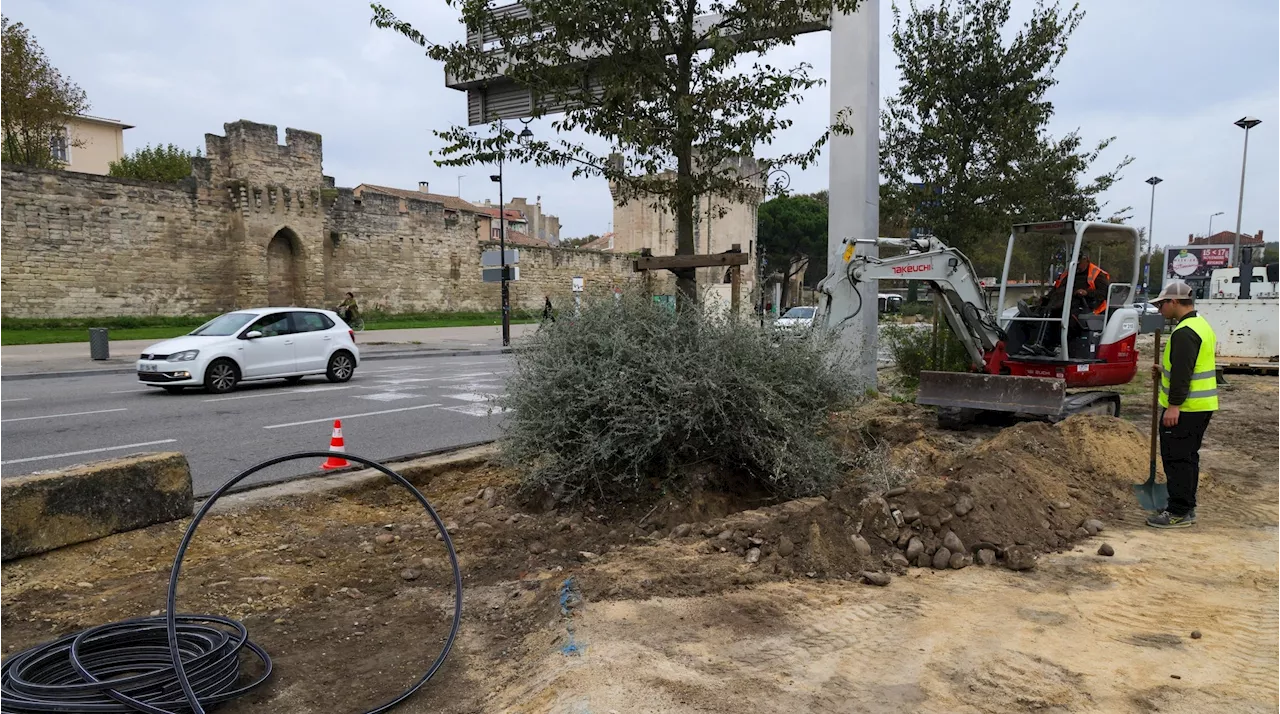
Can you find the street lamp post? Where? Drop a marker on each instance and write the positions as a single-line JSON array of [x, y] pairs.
[[524, 138], [1245, 123], [1210, 233], [502, 254], [1151, 239]]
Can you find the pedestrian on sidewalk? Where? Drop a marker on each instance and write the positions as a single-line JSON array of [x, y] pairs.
[[1188, 396], [547, 313], [349, 309]]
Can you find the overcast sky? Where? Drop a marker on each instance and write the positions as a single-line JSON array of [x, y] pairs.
[[1166, 77]]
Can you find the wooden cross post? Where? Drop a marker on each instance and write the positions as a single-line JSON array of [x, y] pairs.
[[735, 294], [733, 258]]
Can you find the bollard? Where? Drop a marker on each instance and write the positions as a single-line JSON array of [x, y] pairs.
[[98, 344]]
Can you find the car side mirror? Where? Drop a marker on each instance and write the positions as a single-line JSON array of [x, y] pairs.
[[252, 335]]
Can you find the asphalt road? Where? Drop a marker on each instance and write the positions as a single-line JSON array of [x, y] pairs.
[[390, 408]]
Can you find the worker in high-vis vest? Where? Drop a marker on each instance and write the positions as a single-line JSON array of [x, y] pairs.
[[1188, 397]]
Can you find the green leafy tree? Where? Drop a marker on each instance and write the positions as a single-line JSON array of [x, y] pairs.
[[578, 242], [1157, 269], [964, 145], [167, 164], [793, 234], [681, 95], [36, 101]]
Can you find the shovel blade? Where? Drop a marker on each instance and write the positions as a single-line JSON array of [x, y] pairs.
[[1153, 497], [992, 392]]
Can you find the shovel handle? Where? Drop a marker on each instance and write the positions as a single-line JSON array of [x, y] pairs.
[[1155, 405]]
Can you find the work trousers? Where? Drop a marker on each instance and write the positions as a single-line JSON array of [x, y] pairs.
[[1180, 452]]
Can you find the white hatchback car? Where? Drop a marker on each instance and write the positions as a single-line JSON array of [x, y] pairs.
[[246, 345], [797, 318]]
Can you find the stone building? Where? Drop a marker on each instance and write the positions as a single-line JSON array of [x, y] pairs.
[[257, 223], [719, 223], [542, 226]]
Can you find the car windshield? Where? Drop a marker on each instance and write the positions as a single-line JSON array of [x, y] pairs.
[[805, 312], [224, 325]]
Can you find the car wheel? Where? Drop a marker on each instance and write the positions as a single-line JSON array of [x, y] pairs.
[[293, 380], [221, 376], [174, 390], [341, 366]]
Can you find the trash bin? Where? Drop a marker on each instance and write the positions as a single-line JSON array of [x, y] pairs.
[[98, 343]]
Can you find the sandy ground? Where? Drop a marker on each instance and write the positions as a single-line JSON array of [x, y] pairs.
[[645, 625], [1081, 633]]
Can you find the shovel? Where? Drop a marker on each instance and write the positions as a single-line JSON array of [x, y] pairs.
[[1153, 496]]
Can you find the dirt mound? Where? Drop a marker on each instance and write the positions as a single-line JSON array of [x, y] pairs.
[[1031, 488], [913, 490]]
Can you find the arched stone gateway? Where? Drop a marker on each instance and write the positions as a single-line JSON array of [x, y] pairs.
[[284, 269]]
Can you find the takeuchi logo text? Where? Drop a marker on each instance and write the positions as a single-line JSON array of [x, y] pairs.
[[913, 268]]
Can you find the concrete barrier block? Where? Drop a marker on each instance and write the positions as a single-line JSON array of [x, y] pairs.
[[50, 510]]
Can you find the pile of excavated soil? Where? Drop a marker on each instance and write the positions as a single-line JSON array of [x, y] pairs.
[[356, 588], [1031, 488]]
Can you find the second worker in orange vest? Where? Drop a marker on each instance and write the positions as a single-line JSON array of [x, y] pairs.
[[1091, 286], [1090, 296]]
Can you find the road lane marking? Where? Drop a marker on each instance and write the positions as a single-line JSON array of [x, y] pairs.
[[471, 397], [86, 451], [350, 416], [278, 394], [55, 416], [23, 399], [471, 375], [389, 396], [131, 391], [479, 410]]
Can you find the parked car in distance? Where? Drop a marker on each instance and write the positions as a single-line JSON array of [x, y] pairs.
[[889, 302], [248, 345], [797, 318]]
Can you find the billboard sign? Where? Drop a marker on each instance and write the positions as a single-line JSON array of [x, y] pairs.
[[1192, 262]]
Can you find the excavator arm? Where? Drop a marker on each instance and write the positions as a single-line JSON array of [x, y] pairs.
[[952, 276], [960, 298]]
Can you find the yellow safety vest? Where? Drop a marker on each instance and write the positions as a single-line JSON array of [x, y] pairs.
[[1203, 396]]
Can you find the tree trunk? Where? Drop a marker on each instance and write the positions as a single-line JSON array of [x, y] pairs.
[[786, 290], [686, 279]]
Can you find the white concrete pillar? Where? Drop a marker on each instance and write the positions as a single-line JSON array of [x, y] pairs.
[[855, 177]]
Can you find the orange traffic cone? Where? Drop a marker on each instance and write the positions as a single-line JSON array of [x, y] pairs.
[[336, 444]]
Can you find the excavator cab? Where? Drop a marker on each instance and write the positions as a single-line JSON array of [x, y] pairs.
[[1077, 336]]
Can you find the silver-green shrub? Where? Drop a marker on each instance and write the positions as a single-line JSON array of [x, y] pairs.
[[629, 394]]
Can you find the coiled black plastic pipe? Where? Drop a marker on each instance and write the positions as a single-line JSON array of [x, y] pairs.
[[177, 663]]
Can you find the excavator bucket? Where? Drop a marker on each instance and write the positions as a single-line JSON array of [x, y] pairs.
[[991, 392]]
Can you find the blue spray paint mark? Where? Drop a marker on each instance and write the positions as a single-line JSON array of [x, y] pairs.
[[570, 600]]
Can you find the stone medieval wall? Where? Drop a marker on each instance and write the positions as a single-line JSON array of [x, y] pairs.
[[549, 272], [78, 245], [256, 224], [401, 255]]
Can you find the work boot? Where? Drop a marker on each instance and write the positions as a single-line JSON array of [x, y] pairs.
[[1166, 519]]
